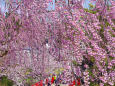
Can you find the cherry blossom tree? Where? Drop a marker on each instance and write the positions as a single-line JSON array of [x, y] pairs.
[[79, 40]]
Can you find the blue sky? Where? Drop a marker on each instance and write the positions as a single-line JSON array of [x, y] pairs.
[[50, 7], [2, 5], [52, 4]]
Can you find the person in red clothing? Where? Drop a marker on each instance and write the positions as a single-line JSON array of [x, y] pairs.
[[70, 85], [52, 81], [78, 82], [46, 81], [41, 83], [73, 83], [36, 84]]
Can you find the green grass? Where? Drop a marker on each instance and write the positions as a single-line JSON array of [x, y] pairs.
[[4, 81]]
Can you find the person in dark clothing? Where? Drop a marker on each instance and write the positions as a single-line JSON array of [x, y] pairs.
[[55, 81], [49, 84]]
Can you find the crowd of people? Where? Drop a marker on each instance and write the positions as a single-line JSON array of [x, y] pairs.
[[56, 81]]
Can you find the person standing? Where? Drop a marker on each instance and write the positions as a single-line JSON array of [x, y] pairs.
[[49, 84], [78, 82], [46, 81], [52, 81], [55, 79]]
